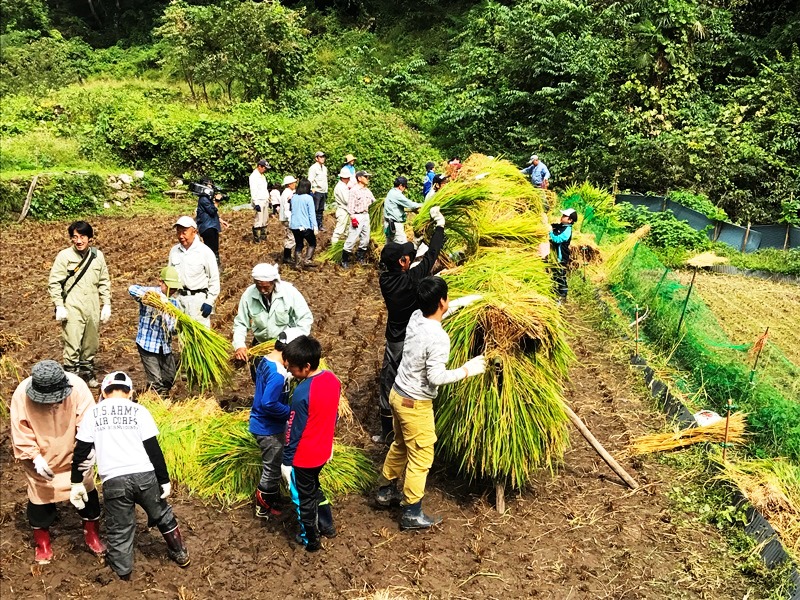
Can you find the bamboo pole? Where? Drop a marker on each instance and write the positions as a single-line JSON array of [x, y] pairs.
[[727, 426], [28, 199], [500, 496], [598, 447], [761, 343], [686, 303], [637, 330]]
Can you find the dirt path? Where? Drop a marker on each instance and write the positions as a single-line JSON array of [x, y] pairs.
[[580, 534]]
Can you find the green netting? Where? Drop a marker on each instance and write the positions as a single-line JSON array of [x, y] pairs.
[[720, 368]]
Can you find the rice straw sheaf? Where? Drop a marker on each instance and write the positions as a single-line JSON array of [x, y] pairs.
[[615, 256], [773, 487], [508, 422], [205, 354], [500, 269], [714, 432], [584, 250], [230, 464]]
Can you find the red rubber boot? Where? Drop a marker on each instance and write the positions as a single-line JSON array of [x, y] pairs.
[[44, 552], [91, 534]]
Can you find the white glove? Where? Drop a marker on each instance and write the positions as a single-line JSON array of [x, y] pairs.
[[61, 313], [286, 473], [316, 232], [105, 313], [475, 366], [166, 490], [464, 301], [78, 496], [88, 463], [436, 215], [42, 468]]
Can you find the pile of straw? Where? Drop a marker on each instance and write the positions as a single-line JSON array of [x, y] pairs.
[[715, 432]]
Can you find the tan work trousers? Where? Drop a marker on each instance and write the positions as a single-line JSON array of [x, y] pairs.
[[411, 451], [81, 337]]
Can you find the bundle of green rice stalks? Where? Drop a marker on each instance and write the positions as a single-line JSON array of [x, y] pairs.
[[230, 464], [180, 425], [616, 255], [205, 355], [510, 421], [773, 487], [500, 269]]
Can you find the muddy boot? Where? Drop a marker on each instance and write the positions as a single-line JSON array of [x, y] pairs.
[[298, 259], [313, 540], [44, 552], [345, 259], [388, 495], [268, 505], [262, 234], [87, 374], [176, 549], [414, 518], [256, 240], [91, 535], [325, 520], [309, 256], [287, 256], [361, 256], [386, 436]]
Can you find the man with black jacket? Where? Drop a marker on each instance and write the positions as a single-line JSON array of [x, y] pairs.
[[399, 283]]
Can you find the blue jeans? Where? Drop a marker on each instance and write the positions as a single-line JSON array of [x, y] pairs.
[[120, 497]]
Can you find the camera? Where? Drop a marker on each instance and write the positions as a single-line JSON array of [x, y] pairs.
[[205, 188]]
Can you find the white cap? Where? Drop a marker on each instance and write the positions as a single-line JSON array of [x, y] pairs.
[[569, 212], [266, 272], [289, 179], [289, 334], [534, 157], [185, 221], [116, 378], [345, 173]]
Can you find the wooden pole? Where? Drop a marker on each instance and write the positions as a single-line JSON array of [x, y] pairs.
[[500, 496], [637, 330], [686, 303], [786, 238], [28, 199], [598, 447], [727, 423], [761, 342], [746, 237]]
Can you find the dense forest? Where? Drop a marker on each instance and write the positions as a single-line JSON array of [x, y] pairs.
[[649, 96]]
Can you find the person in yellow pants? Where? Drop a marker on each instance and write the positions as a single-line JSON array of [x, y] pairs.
[[422, 370], [78, 282]]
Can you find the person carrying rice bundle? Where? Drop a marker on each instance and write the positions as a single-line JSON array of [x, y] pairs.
[[560, 237]]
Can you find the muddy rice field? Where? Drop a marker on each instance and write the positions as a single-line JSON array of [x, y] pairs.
[[577, 534]]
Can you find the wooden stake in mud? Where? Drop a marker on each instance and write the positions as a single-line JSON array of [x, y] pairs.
[[637, 330], [500, 496], [757, 348], [686, 303], [727, 425], [598, 447]]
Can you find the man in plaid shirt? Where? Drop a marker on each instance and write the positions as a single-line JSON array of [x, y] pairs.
[[154, 337]]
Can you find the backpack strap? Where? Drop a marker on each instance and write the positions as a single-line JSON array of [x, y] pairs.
[[83, 266]]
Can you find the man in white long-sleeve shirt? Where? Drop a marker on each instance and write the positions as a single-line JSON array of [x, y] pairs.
[[198, 272], [318, 176], [259, 196], [422, 370]]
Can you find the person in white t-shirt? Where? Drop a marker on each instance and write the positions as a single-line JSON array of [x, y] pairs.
[[132, 468]]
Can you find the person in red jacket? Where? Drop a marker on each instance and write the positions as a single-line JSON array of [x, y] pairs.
[[313, 413]]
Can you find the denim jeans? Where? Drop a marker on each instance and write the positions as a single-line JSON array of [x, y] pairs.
[[121, 495]]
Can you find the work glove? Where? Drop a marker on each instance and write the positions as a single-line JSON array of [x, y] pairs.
[[464, 301], [78, 496], [286, 473], [88, 463], [437, 217], [166, 490], [206, 309], [257, 207], [42, 468], [61, 313], [316, 231], [354, 222], [475, 366], [105, 313]]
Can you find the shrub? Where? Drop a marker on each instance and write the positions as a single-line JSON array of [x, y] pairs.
[[55, 196], [665, 230], [698, 202]]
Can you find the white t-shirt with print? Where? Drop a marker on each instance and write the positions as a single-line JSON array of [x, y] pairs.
[[117, 427]]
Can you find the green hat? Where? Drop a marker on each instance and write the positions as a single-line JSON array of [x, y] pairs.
[[169, 275]]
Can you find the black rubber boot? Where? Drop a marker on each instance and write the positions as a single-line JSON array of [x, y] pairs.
[[388, 495], [298, 258], [176, 549], [268, 505], [262, 234], [287, 256], [309, 258], [361, 256], [325, 519], [414, 518], [386, 435], [346, 256], [313, 539], [255, 235]]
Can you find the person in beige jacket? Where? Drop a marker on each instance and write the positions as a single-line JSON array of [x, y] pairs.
[[78, 282], [46, 410]]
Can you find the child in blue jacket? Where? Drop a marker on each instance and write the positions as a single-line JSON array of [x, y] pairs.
[[268, 418], [560, 237]]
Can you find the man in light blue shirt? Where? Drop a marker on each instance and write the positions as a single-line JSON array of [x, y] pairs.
[[539, 174], [394, 211]]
